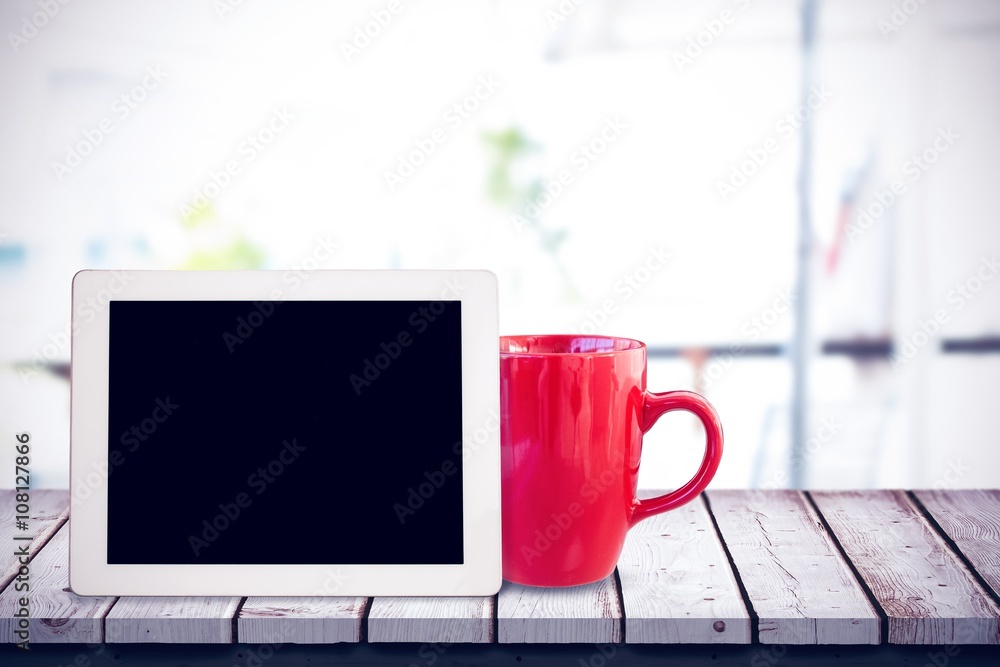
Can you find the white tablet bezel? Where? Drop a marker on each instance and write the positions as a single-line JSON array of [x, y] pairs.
[[89, 571]]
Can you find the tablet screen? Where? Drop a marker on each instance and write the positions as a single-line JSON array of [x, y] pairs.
[[287, 432]]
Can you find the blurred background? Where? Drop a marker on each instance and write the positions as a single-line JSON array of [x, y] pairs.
[[790, 202]]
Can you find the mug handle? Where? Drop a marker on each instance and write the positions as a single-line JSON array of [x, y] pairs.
[[655, 406]]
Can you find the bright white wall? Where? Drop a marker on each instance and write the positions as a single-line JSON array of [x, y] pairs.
[[656, 186]]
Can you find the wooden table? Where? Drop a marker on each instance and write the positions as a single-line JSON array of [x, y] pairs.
[[737, 574]]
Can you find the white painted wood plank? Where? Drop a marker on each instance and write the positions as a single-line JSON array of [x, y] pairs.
[[426, 619], [972, 520], [924, 588], [799, 585], [306, 620], [586, 614], [57, 614], [677, 585], [48, 510], [171, 620]]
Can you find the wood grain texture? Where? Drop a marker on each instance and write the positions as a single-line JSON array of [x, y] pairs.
[[796, 580], [49, 510], [57, 614], [799, 585], [426, 619], [578, 614], [972, 520], [174, 620], [924, 588], [677, 585], [311, 620]]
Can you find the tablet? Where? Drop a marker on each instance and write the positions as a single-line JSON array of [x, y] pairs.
[[285, 433]]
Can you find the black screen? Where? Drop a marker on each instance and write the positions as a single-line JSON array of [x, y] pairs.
[[288, 432]]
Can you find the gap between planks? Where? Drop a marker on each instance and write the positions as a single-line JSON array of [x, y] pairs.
[[953, 542], [796, 580], [49, 510], [57, 614], [925, 589], [171, 620], [969, 521], [677, 584]]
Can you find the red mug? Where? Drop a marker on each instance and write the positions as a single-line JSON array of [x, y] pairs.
[[573, 411]]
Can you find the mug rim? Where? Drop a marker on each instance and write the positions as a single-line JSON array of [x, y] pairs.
[[633, 345]]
